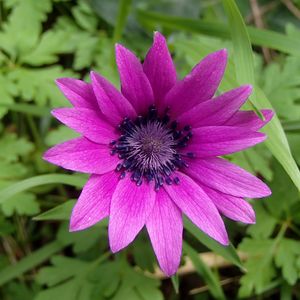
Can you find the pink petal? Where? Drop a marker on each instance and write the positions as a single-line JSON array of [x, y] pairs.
[[234, 208], [78, 92], [198, 207], [112, 103], [200, 85], [165, 227], [227, 178], [94, 202], [249, 119], [221, 140], [216, 111], [82, 155], [129, 210], [87, 122], [135, 85], [159, 67]]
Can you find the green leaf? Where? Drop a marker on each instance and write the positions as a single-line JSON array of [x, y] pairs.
[[29, 183], [9, 170], [59, 135], [20, 33], [38, 84], [228, 252], [260, 269], [81, 240], [22, 204], [175, 283], [208, 276], [49, 46], [13, 147], [85, 17], [67, 291], [283, 91], [287, 254], [256, 160], [62, 268], [60, 212], [282, 188], [265, 222], [6, 94]]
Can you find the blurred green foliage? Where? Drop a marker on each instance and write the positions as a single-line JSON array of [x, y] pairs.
[[44, 40]]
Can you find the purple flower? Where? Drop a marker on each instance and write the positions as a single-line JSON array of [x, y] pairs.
[[153, 148]]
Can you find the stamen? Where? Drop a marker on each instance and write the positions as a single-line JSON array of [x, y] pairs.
[[150, 148]]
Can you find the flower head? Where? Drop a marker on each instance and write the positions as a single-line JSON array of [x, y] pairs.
[[153, 151]]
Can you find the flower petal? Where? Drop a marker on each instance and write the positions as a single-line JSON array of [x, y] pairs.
[[198, 207], [227, 178], [159, 67], [78, 92], [216, 111], [87, 122], [129, 210], [164, 226], [82, 155], [234, 208], [200, 85], [135, 85], [249, 119], [94, 201], [221, 140], [112, 103]]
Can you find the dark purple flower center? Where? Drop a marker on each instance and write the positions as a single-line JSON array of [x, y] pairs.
[[149, 148]]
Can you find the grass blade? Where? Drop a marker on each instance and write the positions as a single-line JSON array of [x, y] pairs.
[[30, 261], [258, 37], [228, 252], [29, 183], [208, 276]]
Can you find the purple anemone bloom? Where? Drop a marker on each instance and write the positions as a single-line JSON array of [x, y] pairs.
[[153, 151]]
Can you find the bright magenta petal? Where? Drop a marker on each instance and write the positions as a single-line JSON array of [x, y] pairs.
[[250, 120], [200, 85], [112, 103], [165, 227], [135, 85], [218, 110], [82, 155], [78, 92], [87, 122], [227, 178], [129, 210], [221, 140], [94, 201], [159, 67], [234, 208], [198, 207]]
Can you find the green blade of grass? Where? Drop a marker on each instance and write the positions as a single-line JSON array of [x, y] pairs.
[[35, 181], [30, 109], [258, 37], [30, 261], [205, 272], [228, 252], [244, 67]]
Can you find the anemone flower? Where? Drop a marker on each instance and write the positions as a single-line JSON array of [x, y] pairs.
[[153, 151]]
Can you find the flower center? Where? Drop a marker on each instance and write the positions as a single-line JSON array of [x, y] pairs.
[[149, 148]]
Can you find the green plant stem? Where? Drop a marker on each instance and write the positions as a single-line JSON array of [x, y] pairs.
[[123, 11], [34, 131]]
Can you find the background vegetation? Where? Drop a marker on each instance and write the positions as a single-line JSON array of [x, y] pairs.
[[43, 40]]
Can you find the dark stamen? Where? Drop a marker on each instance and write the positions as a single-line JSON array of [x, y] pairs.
[[150, 148]]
